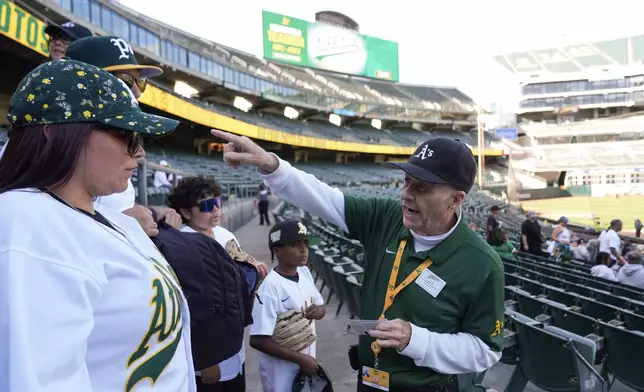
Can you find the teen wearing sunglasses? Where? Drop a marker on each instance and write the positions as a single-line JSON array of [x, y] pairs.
[[198, 201]]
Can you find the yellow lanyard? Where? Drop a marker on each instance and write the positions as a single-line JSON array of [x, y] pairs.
[[393, 290]]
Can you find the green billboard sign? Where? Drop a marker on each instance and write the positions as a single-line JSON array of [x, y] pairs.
[[318, 45]]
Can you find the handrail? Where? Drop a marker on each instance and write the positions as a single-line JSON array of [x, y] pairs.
[[157, 167]]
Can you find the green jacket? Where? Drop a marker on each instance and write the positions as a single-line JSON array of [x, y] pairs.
[[472, 300], [505, 250]]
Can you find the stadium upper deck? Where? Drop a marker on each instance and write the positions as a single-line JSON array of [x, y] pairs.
[[220, 74], [580, 108], [577, 58], [573, 81]]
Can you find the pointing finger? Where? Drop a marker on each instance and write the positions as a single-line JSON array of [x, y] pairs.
[[226, 135], [229, 147]]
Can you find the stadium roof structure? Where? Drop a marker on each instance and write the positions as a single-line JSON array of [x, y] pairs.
[[576, 58], [220, 74]]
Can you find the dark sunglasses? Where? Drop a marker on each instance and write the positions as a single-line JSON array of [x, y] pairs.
[[134, 140], [209, 204], [141, 83]]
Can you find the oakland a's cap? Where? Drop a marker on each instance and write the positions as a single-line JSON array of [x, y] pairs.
[[68, 91], [110, 53], [68, 30], [289, 231], [441, 160]]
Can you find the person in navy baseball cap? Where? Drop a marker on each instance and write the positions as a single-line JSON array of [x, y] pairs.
[[441, 160], [60, 36], [288, 232]]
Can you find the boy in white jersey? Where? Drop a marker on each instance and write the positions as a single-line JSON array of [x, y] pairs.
[[289, 286]]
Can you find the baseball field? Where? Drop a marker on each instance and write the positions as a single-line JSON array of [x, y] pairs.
[[579, 209]]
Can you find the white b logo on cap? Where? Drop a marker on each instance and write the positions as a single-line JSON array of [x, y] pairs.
[[123, 47], [302, 229], [424, 153]]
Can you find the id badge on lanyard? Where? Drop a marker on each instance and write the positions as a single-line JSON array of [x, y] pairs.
[[374, 377]]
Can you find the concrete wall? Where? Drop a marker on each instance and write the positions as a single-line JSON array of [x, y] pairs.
[[238, 212]]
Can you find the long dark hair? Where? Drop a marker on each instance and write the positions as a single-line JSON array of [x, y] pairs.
[[497, 237], [602, 258], [35, 160]]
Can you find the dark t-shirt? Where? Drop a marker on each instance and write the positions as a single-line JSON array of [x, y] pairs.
[[532, 231], [492, 222]]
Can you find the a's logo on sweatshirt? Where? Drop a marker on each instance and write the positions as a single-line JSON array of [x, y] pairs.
[[158, 346]]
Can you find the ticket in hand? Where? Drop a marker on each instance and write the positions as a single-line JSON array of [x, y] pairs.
[[362, 327]]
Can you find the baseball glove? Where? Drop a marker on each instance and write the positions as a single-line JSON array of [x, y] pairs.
[[242, 257], [293, 330]]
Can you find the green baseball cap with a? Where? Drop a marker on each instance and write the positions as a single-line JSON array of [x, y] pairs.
[[68, 91], [110, 53]]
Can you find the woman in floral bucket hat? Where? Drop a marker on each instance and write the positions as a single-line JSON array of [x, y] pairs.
[[87, 303]]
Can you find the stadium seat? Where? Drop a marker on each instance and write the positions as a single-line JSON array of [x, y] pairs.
[[553, 362], [623, 356]]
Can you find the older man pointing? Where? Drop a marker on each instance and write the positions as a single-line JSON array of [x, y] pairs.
[[436, 282]]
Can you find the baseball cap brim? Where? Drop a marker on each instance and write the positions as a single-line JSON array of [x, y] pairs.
[[143, 123], [60, 31], [313, 240], [417, 172], [146, 71], [56, 31]]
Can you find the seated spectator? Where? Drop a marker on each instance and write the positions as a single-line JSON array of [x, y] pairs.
[[593, 248], [579, 250], [498, 240], [632, 273], [640, 248], [602, 267], [627, 246], [161, 177]]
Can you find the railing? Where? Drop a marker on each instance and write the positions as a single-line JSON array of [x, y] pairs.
[[232, 192]]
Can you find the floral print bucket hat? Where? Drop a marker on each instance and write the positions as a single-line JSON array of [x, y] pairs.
[[68, 91]]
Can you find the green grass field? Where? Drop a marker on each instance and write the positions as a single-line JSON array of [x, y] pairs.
[[578, 209]]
